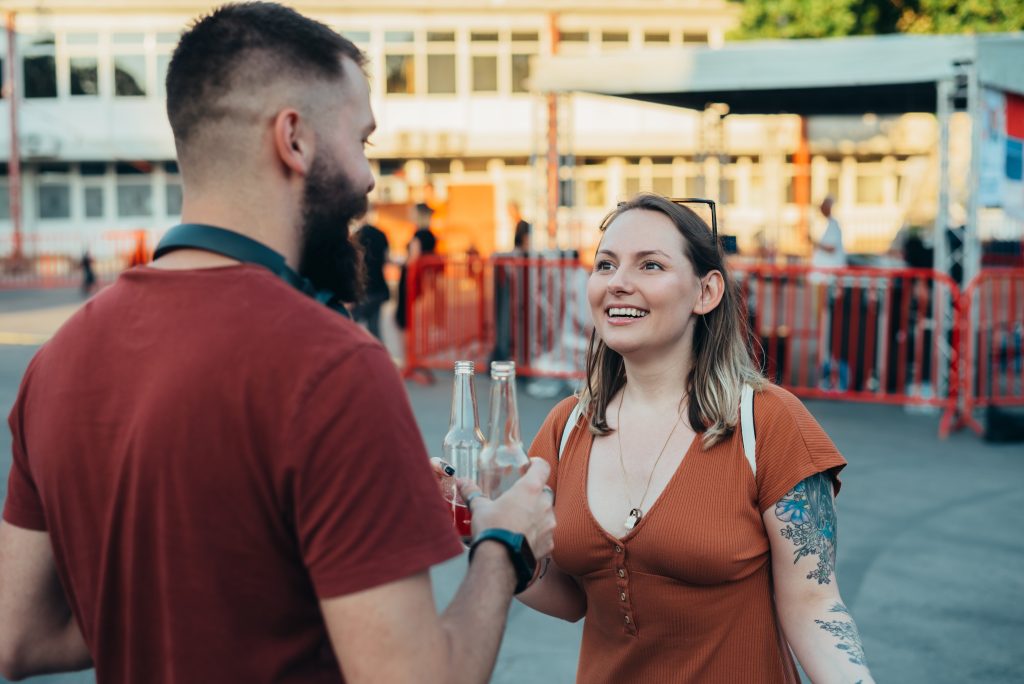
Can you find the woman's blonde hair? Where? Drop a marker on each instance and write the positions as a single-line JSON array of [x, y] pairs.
[[721, 354]]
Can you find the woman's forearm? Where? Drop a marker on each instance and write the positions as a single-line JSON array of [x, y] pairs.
[[825, 639], [556, 594]]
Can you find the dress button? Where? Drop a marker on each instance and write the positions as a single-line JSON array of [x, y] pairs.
[[622, 596], [622, 573], [618, 549], [627, 620]]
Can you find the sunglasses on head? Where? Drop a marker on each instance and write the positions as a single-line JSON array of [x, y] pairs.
[[685, 201]]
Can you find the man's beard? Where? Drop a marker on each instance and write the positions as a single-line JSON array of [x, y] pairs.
[[330, 258]]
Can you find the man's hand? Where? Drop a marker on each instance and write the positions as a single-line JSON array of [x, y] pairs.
[[526, 508]]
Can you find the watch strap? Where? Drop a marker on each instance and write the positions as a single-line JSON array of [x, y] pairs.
[[514, 543]]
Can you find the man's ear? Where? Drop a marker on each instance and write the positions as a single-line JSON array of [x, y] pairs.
[[293, 141], [712, 289]]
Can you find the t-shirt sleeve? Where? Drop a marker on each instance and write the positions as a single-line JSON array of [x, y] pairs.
[[549, 437], [791, 446], [23, 506], [366, 505]]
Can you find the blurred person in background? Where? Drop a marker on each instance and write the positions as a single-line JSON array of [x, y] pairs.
[[688, 558], [828, 252], [88, 274], [215, 477], [423, 242], [375, 255]]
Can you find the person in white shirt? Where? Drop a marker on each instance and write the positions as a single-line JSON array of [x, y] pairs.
[[828, 251]]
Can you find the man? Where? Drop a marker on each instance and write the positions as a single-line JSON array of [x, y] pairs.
[[829, 253], [217, 478], [375, 254]]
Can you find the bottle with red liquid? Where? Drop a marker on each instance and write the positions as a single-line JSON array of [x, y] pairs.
[[463, 443], [503, 459]]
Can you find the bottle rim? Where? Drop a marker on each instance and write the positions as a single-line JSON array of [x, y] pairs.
[[464, 367], [503, 369]]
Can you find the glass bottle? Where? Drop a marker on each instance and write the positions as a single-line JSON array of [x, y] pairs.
[[462, 443], [503, 459]]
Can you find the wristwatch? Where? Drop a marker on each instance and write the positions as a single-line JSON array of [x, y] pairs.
[[519, 553]]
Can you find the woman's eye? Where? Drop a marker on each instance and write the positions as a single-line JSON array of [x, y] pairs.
[[651, 266], [603, 265]]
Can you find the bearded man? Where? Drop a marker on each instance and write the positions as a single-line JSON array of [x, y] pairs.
[[215, 477]]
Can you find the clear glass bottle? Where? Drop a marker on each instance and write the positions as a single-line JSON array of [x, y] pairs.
[[463, 442], [503, 459]]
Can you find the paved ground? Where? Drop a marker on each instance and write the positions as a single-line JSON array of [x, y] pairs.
[[931, 553]]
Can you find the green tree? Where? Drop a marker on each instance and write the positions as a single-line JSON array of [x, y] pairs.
[[962, 16], [828, 18]]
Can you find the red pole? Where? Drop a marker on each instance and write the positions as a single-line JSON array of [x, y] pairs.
[[14, 164]]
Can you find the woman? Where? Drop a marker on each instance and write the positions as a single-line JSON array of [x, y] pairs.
[[668, 544]]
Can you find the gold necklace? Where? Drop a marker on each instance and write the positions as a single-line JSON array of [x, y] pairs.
[[636, 512]]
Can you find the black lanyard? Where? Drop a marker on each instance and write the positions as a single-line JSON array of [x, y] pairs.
[[241, 248]]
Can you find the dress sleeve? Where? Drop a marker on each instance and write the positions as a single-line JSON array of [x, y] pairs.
[[549, 437], [791, 446], [23, 506], [366, 505]]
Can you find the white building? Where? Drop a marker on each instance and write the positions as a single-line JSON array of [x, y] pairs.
[[450, 86]]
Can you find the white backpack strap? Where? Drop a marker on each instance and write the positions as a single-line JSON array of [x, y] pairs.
[[747, 426], [574, 418]]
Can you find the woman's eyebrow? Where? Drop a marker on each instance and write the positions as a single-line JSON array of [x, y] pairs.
[[642, 253]]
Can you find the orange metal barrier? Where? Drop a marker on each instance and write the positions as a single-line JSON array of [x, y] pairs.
[[878, 335], [54, 260], [447, 316], [992, 346], [542, 319]]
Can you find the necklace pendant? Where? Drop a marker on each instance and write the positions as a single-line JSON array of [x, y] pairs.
[[633, 518]]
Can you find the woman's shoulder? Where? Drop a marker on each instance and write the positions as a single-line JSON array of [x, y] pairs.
[[778, 405], [560, 412]]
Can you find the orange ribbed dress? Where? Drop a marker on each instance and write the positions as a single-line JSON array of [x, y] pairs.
[[686, 596]]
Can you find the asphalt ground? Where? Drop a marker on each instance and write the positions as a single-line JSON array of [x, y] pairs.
[[931, 547]]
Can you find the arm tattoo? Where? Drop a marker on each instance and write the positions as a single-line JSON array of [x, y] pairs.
[[811, 518], [845, 631]]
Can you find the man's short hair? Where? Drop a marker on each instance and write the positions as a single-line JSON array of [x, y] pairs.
[[208, 62]]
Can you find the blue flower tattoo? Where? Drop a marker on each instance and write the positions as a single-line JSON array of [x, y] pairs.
[[810, 515]]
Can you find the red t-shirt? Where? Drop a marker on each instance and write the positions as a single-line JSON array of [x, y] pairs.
[[212, 453]]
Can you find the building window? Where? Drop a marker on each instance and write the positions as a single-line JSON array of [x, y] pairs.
[[870, 189], [40, 67], [697, 38], [662, 185], [54, 200], [401, 74], [441, 74], [134, 191], [129, 75], [172, 197], [695, 186], [614, 40], [654, 37], [594, 192], [357, 37], [485, 73], [483, 36], [40, 76], [134, 200], [93, 200], [84, 74], [520, 73]]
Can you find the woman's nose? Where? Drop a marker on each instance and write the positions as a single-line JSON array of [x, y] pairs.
[[620, 281]]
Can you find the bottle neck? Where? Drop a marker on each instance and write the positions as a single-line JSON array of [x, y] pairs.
[[463, 415], [504, 412]]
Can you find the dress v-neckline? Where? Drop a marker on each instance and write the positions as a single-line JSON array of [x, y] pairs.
[[650, 509]]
